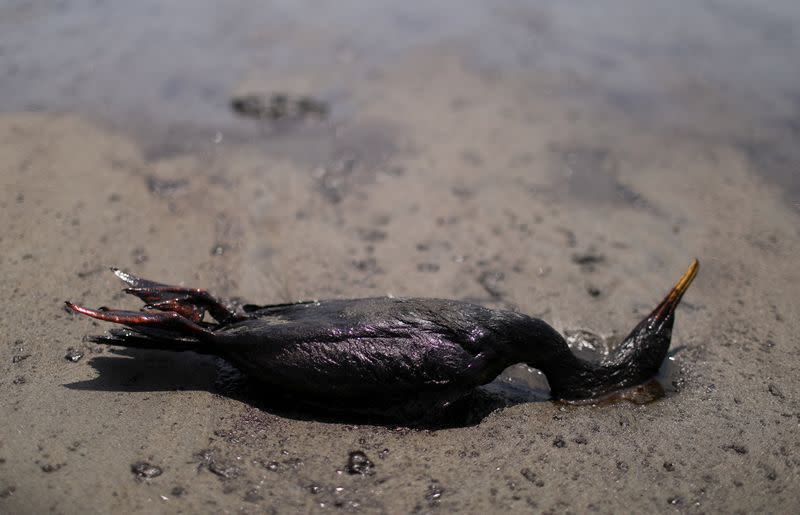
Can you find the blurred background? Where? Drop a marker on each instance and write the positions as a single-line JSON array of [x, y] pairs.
[[165, 71]]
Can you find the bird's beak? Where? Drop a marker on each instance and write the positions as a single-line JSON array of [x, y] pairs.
[[667, 306]]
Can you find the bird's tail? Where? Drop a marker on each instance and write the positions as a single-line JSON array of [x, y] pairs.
[[140, 339]]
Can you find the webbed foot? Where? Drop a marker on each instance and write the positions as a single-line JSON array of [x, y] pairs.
[[168, 321], [190, 303]]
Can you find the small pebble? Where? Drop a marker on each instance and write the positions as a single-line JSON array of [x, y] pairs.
[[144, 470], [73, 355], [358, 463]]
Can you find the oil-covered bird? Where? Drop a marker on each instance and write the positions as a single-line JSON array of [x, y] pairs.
[[389, 356]]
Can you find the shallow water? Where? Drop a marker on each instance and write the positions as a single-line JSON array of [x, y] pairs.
[[722, 71]]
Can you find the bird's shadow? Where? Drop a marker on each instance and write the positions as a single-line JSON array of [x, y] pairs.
[[140, 370]]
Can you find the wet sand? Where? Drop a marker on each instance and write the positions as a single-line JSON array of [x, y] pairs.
[[443, 171]]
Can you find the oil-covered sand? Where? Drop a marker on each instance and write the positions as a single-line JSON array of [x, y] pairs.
[[441, 172]]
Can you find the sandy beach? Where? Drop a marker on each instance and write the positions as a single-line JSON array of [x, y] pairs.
[[456, 162]]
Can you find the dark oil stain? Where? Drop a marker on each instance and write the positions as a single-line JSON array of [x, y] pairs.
[[646, 393], [531, 476], [166, 188], [737, 448], [775, 391], [279, 106], [588, 260], [427, 267], [593, 291], [253, 496], [371, 235]]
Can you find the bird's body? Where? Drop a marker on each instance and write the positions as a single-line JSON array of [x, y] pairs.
[[383, 355], [375, 351]]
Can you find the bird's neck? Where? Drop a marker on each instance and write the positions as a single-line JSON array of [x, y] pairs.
[[637, 358], [537, 344]]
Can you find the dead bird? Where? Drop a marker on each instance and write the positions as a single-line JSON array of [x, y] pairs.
[[279, 106], [388, 356]]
